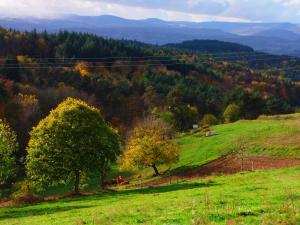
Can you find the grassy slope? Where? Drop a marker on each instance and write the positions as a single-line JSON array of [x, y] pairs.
[[263, 137], [252, 198], [243, 197]]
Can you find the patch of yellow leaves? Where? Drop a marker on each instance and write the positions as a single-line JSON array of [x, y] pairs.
[[82, 69]]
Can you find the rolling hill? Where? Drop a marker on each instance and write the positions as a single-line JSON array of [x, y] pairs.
[[252, 197]]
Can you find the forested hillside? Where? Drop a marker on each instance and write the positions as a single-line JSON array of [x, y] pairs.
[[211, 46], [128, 80], [267, 64]]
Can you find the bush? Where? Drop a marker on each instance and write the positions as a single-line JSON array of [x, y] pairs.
[[231, 113], [184, 117], [209, 120], [24, 194], [276, 105], [166, 116]]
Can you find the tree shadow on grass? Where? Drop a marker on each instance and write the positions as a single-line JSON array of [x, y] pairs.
[[180, 170], [149, 190], [19, 212], [168, 188]]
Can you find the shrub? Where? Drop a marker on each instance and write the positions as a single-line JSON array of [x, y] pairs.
[[184, 117], [231, 113], [24, 193], [208, 120], [276, 105]]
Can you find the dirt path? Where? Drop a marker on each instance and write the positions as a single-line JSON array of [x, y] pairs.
[[229, 165]]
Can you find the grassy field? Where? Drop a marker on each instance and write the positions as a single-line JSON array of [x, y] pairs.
[[261, 197], [271, 136]]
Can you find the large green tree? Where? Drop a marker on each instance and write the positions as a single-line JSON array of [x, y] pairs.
[[8, 148], [73, 140]]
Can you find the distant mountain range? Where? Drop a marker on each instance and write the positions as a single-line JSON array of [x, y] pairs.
[[276, 38]]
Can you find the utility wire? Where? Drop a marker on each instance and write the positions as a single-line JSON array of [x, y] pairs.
[[72, 63], [112, 66], [163, 58], [221, 59], [145, 57]]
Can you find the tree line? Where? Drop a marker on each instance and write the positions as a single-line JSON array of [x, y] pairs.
[[74, 141]]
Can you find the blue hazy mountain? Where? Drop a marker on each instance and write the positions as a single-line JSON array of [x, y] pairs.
[[278, 38]]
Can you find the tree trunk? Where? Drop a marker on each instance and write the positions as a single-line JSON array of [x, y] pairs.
[[155, 170], [77, 182], [102, 180]]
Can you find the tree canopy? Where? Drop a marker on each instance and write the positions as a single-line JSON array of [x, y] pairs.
[[8, 148], [150, 145], [231, 113], [73, 140], [208, 120]]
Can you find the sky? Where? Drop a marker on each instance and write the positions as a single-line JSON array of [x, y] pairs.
[[180, 10]]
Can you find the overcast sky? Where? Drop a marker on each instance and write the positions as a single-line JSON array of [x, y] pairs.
[[190, 10]]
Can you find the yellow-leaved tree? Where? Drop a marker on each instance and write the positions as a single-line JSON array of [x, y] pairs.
[[149, 145]]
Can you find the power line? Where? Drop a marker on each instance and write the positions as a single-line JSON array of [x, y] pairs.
[[221, 59], [172, 58], [72, 63], [148, 62], [267, 57], [292, 69], [214, 56], [129, 65], [91, 58], [111, 57], [155, 56]]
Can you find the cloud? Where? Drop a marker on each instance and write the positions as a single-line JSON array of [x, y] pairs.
[[134, 9], [264, 10], [195, 10]]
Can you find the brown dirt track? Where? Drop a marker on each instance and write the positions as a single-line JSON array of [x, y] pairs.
[[229, 165]]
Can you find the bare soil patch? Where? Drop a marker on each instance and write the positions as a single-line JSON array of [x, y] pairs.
[[229, 165], [6, 204], [284, 140]]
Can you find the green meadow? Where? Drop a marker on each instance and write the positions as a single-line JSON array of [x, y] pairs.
[[260, 197]]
